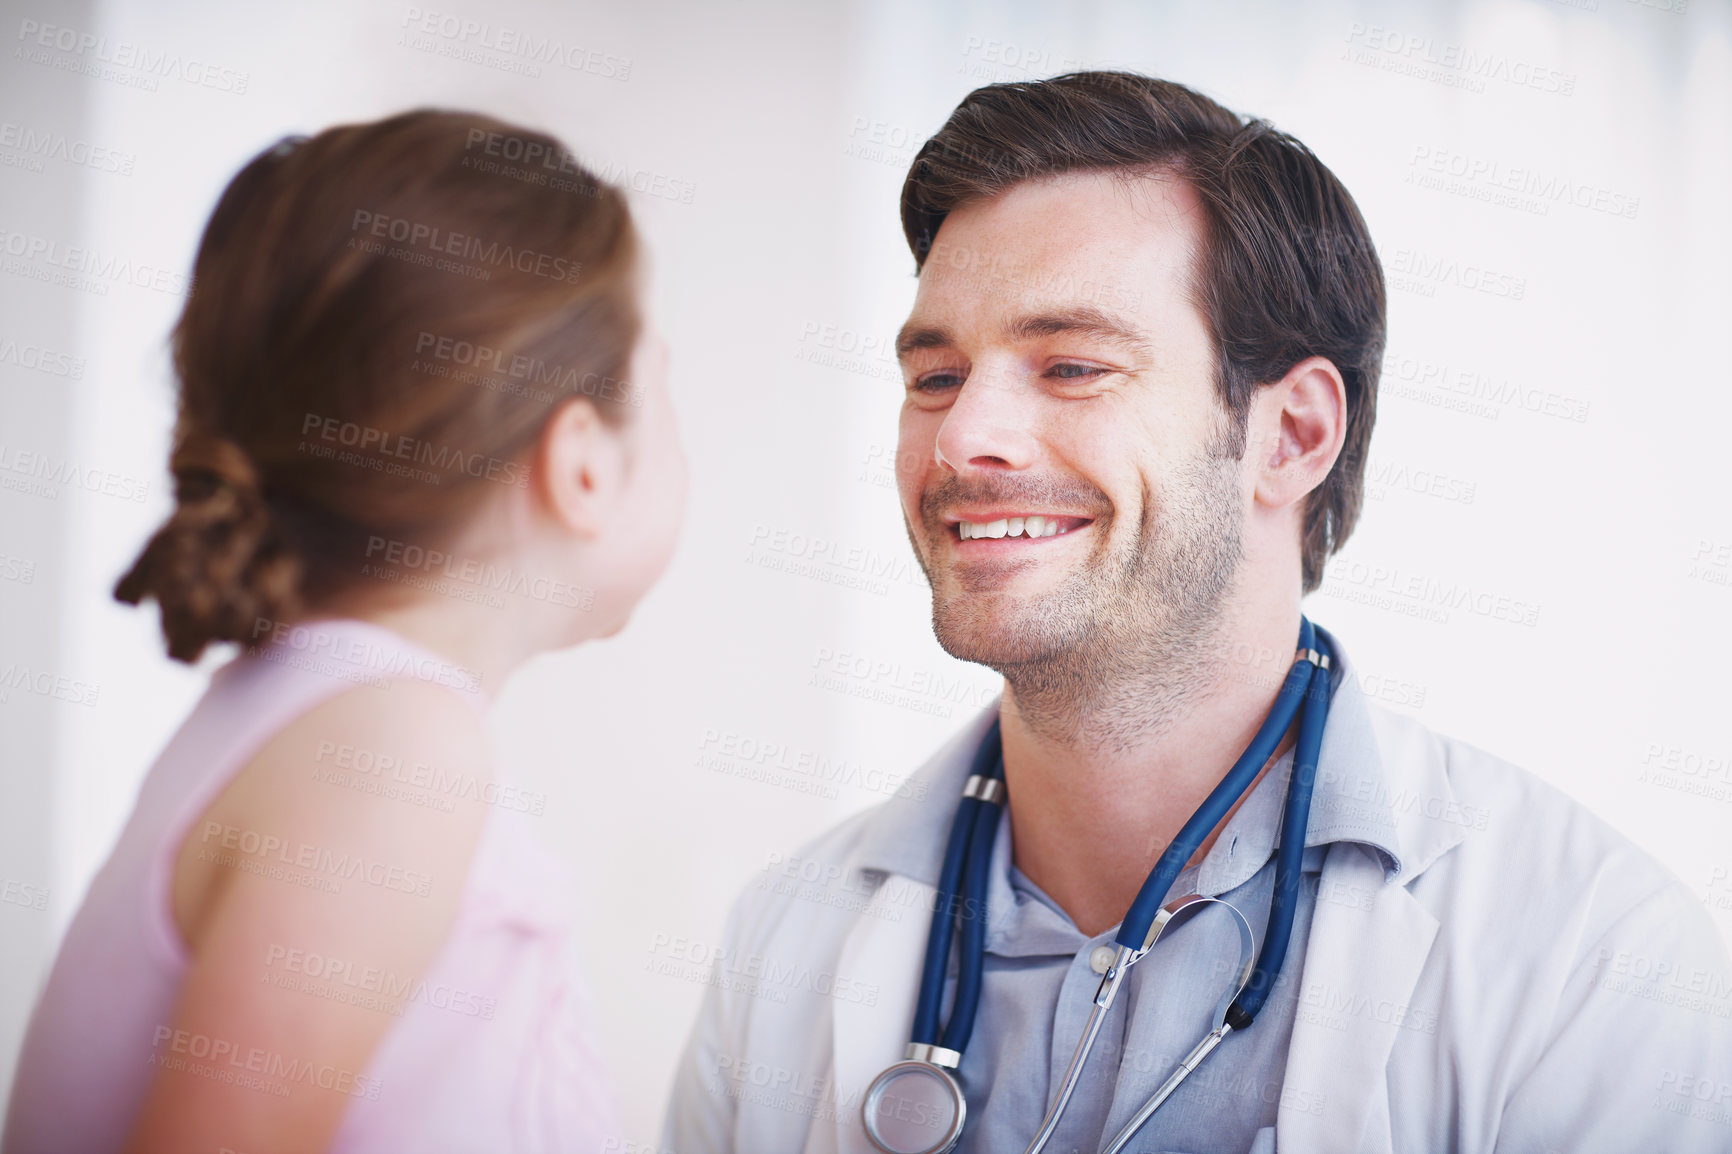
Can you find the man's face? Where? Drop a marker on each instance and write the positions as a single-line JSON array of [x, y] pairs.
[[1063, 461]]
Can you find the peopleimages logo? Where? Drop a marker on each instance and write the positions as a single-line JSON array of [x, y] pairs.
[[226, 1060], [317, 866], [42, 475], [530, 47], [46, 144], [443, 242], [381, 449], [560, 381], [474, 572], [47, 256], [370, 987], [1464, 62], [89, 53], [390, 775], [1545, 188], [324, 651], [1428, 271], [40, 359]]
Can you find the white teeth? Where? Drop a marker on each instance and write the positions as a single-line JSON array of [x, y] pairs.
[[1035, 526]]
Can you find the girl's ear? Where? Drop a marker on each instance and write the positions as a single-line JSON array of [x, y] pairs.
[[579, 467]]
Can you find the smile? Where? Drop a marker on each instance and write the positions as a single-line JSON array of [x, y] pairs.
[[1028, 525]]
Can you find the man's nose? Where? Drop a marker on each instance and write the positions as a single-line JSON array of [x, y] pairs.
[[990, 425]]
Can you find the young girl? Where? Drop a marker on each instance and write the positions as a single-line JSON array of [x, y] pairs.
[[423, 435]]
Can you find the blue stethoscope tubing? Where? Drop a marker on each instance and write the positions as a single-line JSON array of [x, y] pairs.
[[960, 909], [961, 905], [1133, 931]]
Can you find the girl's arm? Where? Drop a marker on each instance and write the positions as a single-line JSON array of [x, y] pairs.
[[294, 886]]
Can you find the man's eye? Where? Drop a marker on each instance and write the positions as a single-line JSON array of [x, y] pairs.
[[1065, 371], [937, 382]]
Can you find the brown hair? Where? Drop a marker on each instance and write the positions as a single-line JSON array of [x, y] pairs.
[[1286, 269], [383, 318]]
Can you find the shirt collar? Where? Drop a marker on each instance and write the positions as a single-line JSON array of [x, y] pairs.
[[1351, 800]]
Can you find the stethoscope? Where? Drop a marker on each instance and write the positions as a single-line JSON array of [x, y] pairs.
[[917, 1107]]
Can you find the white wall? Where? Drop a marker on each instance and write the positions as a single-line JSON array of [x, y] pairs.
[[778, 286]]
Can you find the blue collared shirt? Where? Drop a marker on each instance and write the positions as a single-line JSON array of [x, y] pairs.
[[1042, 974]]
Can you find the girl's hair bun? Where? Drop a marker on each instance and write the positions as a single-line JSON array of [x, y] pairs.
[[219, 564]]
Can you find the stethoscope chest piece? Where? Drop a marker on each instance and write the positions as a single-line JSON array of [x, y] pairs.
[[915, 1107]]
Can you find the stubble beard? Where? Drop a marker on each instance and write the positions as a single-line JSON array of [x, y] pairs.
[[1113, 655]]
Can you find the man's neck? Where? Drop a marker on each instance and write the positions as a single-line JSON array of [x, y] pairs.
[[1090, 817]]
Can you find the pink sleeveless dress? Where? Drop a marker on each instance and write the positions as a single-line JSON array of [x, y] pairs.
[[492, 1052]]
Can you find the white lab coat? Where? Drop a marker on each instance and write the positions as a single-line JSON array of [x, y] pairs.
[[1527, 981]]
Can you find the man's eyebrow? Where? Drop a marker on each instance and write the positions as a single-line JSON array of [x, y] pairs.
[[1085, 321], [915, 336]]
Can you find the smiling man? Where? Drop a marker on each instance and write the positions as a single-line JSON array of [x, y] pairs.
[[1140, 376]]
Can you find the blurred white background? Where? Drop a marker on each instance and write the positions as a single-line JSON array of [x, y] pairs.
[[1544, 567]]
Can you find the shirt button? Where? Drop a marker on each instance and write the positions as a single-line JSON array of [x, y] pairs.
[[1102, 959]]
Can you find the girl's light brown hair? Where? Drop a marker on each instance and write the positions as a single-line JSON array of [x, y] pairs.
[[383, 318]]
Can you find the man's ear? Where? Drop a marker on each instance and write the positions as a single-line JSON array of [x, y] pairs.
[[579, 466], [1297, 427]]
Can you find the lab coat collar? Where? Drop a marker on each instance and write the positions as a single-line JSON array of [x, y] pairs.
[[1403, 813], [907, 834]]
